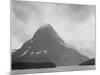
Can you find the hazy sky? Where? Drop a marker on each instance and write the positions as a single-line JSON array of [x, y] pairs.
[[75, 24]]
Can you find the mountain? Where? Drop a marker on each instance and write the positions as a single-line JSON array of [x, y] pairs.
[[47, 46], [88, 62]]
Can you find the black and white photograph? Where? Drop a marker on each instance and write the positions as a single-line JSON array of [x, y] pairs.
[[51, 37]]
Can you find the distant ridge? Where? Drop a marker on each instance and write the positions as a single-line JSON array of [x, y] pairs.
[[88, 62]]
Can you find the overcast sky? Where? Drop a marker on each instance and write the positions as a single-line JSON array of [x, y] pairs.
[[75, 24]]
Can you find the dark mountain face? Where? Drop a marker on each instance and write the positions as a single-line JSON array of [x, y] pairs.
[[47, 46], [88, 62]]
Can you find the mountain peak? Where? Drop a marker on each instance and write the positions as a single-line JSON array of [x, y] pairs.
[[45, 25], [47, 31]]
